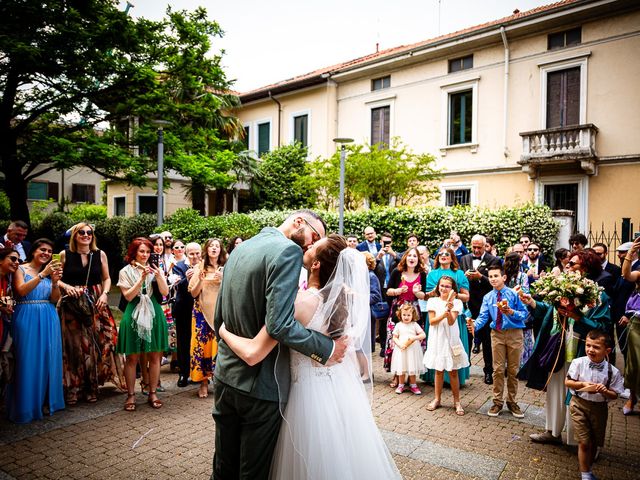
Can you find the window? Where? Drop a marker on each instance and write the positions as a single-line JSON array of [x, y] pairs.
[[264, 138], [81, 193], [147, 204], [119, 206], [301, 129], [380, 122], [563, 97], [565, 192], [463, 193], [562, 197], [380, 83], [460, 117], [563, 39], [245, 139], [462, 63], [458, 197], [37, 191]]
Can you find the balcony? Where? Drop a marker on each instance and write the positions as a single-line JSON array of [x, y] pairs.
[[559, 146]]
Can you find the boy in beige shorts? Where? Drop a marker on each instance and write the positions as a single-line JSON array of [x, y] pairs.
[[593, 382]]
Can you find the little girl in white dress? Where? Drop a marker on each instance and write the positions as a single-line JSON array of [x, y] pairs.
[[444, 347], [407, 352]]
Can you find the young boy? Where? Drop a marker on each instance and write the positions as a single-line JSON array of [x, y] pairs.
[[593, 382], [507, 314]]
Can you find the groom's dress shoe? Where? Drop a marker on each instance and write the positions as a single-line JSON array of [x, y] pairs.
[[183, 381]]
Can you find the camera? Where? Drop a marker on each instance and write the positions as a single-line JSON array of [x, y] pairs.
[[154, 260]]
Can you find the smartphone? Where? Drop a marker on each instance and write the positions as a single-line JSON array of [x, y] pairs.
[[386, 243], [636, 235], [55, 257], [220, 269], [154, 260]]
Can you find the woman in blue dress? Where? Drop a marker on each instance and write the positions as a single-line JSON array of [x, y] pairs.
[[37, 380], [446, 263]]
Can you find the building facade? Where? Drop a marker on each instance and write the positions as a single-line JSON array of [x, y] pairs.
[[539, 106]]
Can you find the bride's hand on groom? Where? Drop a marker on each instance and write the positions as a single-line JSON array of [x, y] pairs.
[[340, 348]]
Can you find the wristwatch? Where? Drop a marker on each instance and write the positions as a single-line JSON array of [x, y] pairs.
[[40, 276]]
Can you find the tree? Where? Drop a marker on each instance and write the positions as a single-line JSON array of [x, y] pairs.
[[282, 180], [376, 175], [72, 73]]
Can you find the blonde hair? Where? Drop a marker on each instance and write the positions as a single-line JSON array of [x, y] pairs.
[[405, 306], [72, 241], [371, 261]]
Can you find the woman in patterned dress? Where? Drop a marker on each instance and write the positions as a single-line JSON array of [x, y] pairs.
[[204, 287]]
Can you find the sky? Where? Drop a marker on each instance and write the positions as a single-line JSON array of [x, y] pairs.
[[267, 41]]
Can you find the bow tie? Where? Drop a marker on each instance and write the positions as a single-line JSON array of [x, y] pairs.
[[477, 258], [596, 366]]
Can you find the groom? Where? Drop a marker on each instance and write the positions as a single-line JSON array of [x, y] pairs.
[[259, 288]]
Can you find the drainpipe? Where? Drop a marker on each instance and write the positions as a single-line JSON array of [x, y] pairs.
[[506, 91], [279, 112]]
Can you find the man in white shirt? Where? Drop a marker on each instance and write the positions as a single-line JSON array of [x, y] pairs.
[[15, 238]]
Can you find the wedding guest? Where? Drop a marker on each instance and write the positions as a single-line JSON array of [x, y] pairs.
[[15, 238], [517, 278], [178, 251], [352, 240], [578, 242], [542, 374], [204, 287], [233, 243], [446, 264], [182, 310], [369, 244], [89, 333], [406, 361], [445, 352], [143, 328], [9, 261], [632, 360], [35, 329], [405, 285], [562, 256], [375, 296]]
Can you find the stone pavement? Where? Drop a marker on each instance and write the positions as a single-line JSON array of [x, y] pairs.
[[102, 441]]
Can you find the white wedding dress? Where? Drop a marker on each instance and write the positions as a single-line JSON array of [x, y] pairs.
[[328, 430]]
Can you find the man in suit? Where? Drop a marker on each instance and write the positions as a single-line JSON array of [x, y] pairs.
[[370, 244], [534, 265], [475, 265], [15, 238], [386, 261], [182, 310], [259, 288]]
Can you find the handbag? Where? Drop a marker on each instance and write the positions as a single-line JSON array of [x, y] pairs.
[[82, 306], [380, 310]]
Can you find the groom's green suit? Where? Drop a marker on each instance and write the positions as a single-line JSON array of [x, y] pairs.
[[258, 288]]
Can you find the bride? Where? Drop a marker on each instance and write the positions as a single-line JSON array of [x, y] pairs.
[[328, 430]]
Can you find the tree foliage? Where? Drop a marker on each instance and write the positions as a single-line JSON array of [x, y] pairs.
[[377, 175], [73, 75], [283, 179]]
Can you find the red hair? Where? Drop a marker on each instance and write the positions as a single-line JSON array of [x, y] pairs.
[[133, 247]]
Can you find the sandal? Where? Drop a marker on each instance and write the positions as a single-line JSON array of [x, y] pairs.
[[91, 398], [130, 406], [203, 392], [144, 386], [154, 402], [435, 404], [394, 382], [459, 409]]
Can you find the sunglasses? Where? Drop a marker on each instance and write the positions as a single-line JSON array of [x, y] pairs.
[[573, 264], [179, 247], [533, 249], [444, 254], [87, 233], [168, 237], [312, 228], [14, 259]]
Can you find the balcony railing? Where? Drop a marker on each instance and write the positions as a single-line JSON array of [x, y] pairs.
[[560, 145]]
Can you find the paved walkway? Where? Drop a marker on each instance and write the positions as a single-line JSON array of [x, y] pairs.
[[101, 441]]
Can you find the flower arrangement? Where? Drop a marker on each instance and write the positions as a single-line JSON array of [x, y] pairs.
[[569, 290]]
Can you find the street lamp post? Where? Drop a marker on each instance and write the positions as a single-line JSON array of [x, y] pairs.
[[160, 124], [343, 153]]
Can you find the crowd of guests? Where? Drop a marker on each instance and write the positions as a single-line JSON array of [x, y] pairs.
[[59, 339], [428, 313]]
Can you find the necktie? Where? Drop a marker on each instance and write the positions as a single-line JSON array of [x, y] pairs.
[[597, 366], [386, 269], [499, 313]]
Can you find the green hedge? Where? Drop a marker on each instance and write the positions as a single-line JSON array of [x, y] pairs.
[[431, 224]]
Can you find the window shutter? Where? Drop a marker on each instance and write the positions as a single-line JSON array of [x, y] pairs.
[[563, 98], [52, 191], [380, 129], [264, 132]]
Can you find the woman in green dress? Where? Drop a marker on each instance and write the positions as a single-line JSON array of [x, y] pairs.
[[143, 328]]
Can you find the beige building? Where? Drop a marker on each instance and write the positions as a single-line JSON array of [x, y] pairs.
[[76, 185], [539, 106]]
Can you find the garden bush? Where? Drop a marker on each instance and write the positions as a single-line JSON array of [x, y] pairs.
[[87, 212], [431, 224]]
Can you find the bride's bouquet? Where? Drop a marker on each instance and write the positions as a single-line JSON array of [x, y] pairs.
[[569, 290]]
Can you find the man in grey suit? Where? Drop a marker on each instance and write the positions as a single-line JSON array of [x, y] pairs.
[[259, 288]]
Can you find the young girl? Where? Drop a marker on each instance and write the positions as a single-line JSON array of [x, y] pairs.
[[407, 353], [444, 347]]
